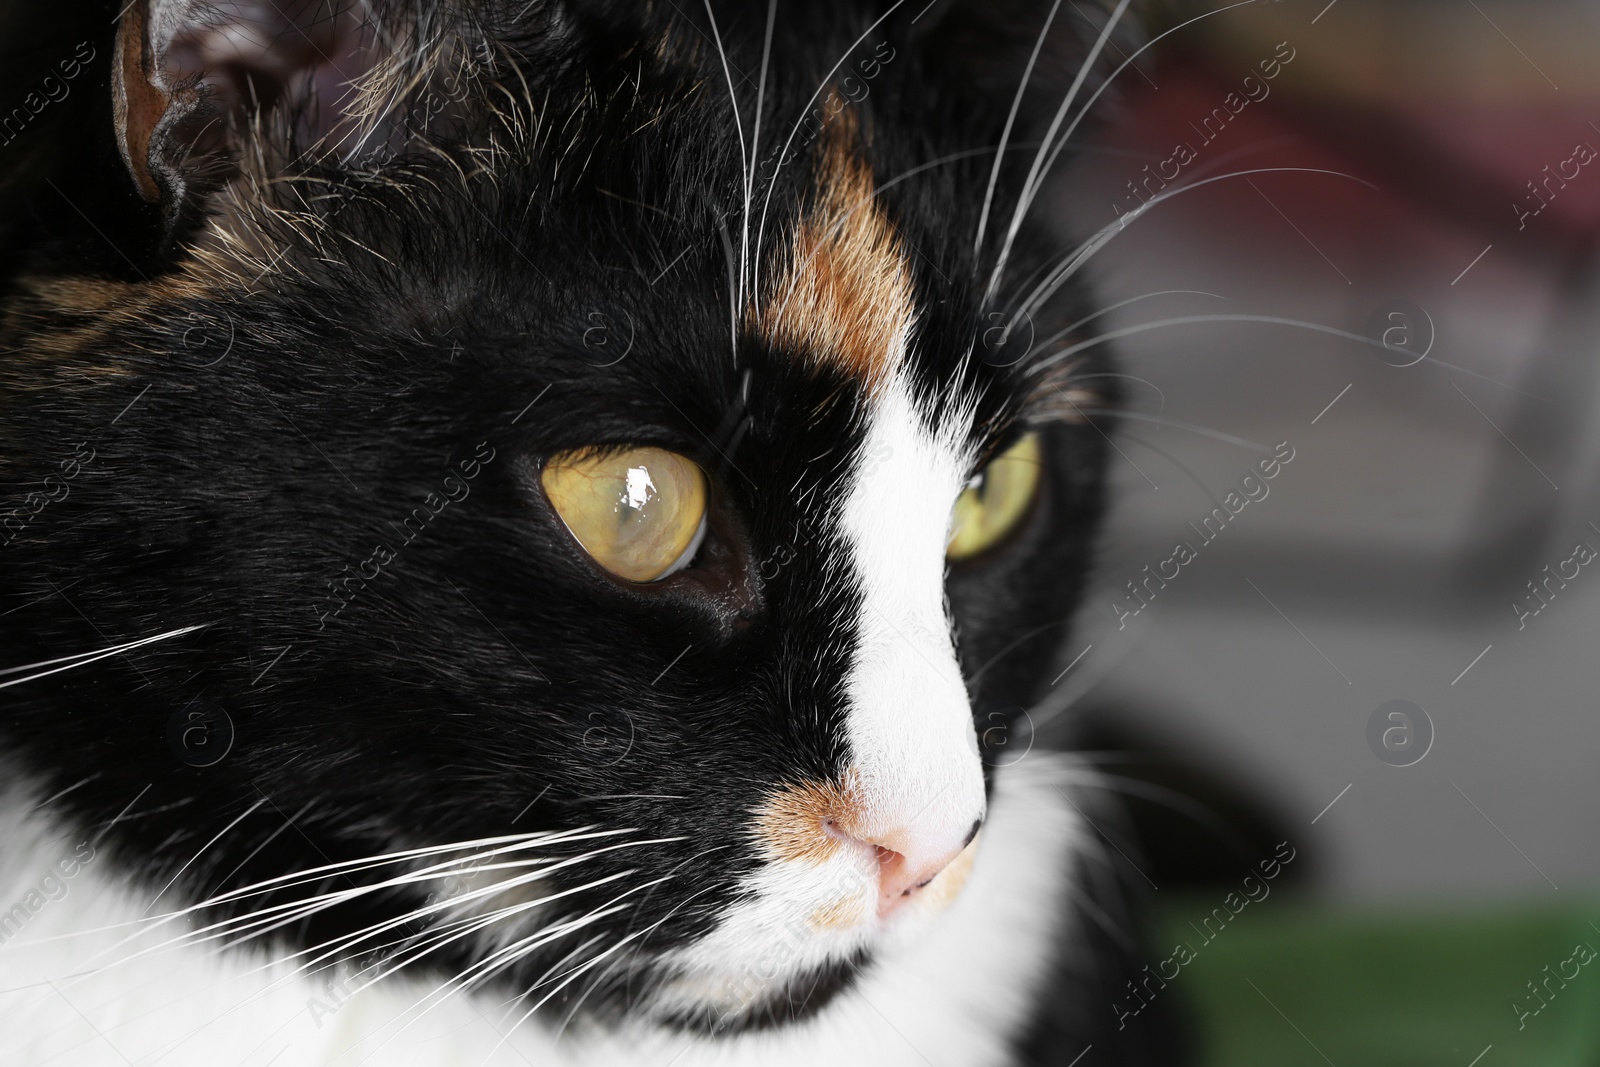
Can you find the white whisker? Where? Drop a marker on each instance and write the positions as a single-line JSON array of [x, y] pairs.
[[1190, 427], [279, 915], [1176, 462], [294, 911], [346, 867], [1065, 330], [1033, 184], [445, 933], [1188, 320], [83, 659], [466, 978], [576, 973], [738, 125], [1094, 97], [755, 149], [772, 184], [241, 818], [1005, 133], [1084, 252], [269, 839], [652, 928], [1025, 200]]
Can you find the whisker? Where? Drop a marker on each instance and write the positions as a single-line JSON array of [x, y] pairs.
[[505, 843], [1025, 200], [241, 817], [772, 183], [522, 947], [543, 936], [677, 908], [574, 976], [755, 148], [1084, 252], [1191, 427], [1031, 187], [1174, 800], [1241, 152], [679, 866], [738, 124], [1084, 679], [303, 908], [1035, 632], [1065, 331], [450, 931], [1005, 133], [1130, 377], [83, 659], [53, 797], [247, 1002], [472, 924], [1176, 462], [519, 841], [866, 202], [271, 884], [466, 978], [288, 822], [1189, 320], [545, 869]]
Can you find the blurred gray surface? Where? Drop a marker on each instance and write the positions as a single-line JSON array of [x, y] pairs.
[[1387, 557]]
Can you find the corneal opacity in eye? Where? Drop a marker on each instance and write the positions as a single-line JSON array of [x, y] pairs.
[[637, 513]]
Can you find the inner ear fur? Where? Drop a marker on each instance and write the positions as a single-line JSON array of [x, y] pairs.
[[191, 79]]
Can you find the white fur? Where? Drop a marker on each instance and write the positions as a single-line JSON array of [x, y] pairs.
[[910, 722], [73, 994], [948, 986], [915, 773]]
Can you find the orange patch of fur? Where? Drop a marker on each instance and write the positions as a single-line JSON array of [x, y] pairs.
[[846, 913], [63, 322], [845, 294], [789, 824]]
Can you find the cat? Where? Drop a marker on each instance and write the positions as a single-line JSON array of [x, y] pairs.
[[530, 532]]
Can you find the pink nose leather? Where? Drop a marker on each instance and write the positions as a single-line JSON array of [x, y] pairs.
[[908, 861]]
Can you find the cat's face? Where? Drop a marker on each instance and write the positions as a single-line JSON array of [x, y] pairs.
[[552, 518]]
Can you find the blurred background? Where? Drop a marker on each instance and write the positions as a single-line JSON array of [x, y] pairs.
[[1412, 198]]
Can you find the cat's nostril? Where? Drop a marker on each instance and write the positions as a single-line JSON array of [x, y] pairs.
[[910, 867]]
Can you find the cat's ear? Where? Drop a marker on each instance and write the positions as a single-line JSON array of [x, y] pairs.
[[191, 79]]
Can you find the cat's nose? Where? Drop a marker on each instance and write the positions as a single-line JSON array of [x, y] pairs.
[[909, 859]]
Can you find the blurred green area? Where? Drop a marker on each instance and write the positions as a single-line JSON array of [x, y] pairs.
[[1289, 984]]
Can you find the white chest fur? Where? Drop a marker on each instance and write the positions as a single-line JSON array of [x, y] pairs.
[[74, 993]]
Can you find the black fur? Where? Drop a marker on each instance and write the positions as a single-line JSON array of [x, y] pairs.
[[452, 311]]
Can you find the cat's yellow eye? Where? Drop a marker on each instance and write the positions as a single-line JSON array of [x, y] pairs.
[[641, 513], [996, 499]]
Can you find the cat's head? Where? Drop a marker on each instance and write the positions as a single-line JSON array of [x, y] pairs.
[[540, 465]]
